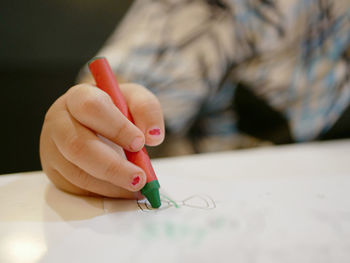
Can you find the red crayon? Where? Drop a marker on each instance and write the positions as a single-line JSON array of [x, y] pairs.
[[106, 81]]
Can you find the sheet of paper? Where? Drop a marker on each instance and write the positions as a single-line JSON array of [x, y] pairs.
[[269, 205]]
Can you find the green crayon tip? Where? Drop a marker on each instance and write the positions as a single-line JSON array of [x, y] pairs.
[[151, 192]]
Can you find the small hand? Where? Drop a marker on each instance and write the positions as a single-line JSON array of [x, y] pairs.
[[78, 161]]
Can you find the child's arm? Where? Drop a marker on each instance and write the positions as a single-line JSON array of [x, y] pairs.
[[75, 158]]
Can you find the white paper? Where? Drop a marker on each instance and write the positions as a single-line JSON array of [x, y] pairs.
[[288, 204]]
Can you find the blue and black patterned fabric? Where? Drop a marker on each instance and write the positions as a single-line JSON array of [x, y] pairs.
[[289, 59]]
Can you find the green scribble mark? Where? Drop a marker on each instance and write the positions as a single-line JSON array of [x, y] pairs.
[[218, 223], [170, 200], [169, 230], [189, 234], [151, 231], [199, 235]]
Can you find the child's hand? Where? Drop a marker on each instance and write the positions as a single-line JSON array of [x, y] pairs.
[[75, 158]]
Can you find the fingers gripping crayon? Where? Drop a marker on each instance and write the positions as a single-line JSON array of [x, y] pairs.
[[106, 81]]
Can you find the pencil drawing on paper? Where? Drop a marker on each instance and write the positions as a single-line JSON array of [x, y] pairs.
[[197, 201]]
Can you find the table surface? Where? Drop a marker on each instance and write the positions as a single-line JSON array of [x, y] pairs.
[[272, 204]]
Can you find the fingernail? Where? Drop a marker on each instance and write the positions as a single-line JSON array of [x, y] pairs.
[[135, 180], [137, 143], [154, 131]]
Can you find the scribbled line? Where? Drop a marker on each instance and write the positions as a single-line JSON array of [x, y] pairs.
[[206, 203]]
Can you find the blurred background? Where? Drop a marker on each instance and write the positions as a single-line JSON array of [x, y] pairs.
[[43, 46]]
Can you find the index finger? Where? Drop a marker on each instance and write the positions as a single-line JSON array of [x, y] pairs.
[[94, 109]]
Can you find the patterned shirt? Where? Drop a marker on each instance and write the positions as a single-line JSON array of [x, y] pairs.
[[293, 54]]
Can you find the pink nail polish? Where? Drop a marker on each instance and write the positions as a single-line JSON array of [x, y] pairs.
[[155, 131], [136, 180]]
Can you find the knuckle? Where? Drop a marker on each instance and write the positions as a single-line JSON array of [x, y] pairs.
[[122, 130], [89, 104], [75, 146], [85, 99], [77, 91]]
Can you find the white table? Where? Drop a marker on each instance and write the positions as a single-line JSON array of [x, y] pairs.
[[273, 204]]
